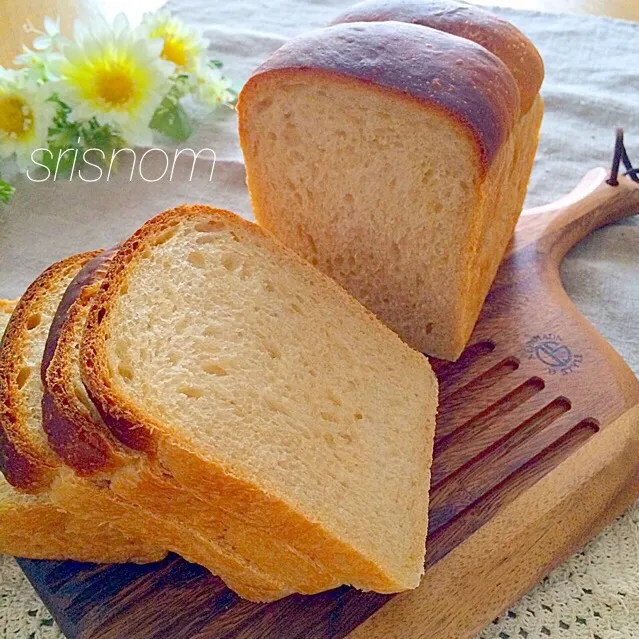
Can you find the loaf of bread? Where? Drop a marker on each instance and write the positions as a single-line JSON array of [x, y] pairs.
[[299, 428], [31, 523], [393, 150]]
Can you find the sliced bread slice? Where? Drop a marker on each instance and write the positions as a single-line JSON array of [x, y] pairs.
[[31, 525], [77, 434], [261, 386]]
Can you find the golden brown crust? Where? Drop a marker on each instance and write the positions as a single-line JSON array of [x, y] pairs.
[[26, 463], [76, 496], [83, 444], [497, 35], [135, 427], [33, 527], [447, 73]]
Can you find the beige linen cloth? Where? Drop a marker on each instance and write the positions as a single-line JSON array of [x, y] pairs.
[[592, 86]]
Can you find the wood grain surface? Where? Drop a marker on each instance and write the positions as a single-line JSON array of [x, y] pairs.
[[537, 448]]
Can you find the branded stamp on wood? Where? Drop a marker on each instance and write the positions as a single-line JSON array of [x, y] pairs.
[[550, 350]]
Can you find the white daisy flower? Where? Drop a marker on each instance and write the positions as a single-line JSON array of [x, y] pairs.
[[51, 37], [114, 74], [37, 64], [183, 46], [48, 39], [25, 117]]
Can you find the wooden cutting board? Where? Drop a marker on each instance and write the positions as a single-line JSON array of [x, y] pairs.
[[537, 449]]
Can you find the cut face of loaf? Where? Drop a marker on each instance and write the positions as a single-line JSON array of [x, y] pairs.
[[385, 154], [506, 190], [33, 525], [261, 386], [77, 434]]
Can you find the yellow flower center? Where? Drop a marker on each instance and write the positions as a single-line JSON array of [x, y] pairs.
[[175, 51], [114, 85], [16, 117]]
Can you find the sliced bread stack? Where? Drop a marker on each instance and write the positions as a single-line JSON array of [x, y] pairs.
[[204, 390], [32, 524]]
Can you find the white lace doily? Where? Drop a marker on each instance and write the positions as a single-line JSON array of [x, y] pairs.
[[594, 595], [22, 614]]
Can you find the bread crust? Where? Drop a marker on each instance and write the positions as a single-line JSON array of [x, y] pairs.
[[71, 429], [447, 73], [27, 464], [135, 427], [490, 31], [36, 529]]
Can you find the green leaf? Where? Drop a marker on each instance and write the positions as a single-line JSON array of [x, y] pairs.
[[6, 191], [63, 109], [62, 133], [63, 166], [102, 137], [216, 64], [181, 87], [172, 120]]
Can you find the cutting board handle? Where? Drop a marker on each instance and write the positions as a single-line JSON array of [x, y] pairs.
[[555, 228]]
